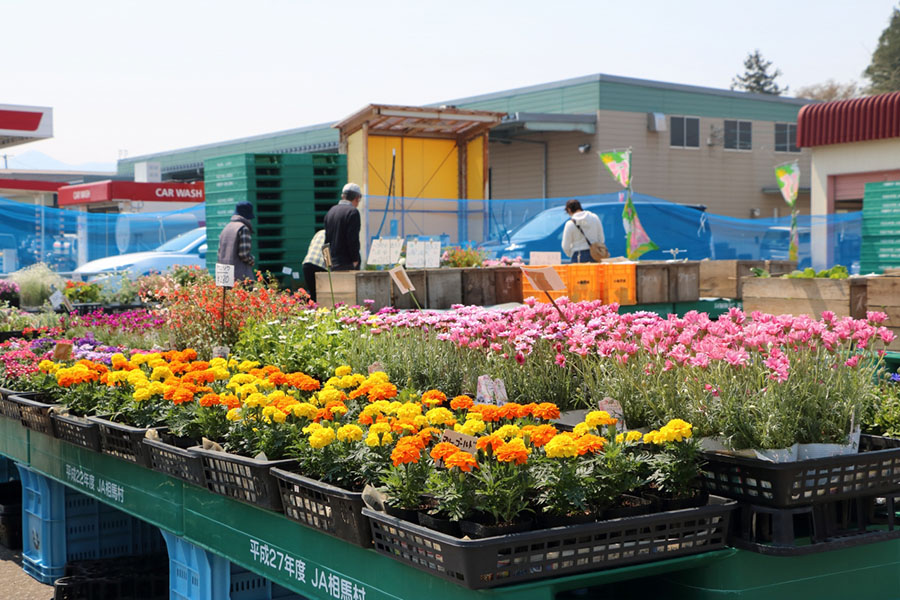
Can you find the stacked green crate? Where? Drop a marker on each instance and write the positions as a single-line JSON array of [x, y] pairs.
[[880, 227], [290, 194]]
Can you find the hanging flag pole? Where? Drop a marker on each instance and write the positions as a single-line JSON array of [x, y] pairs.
[[788, 175], [637, 242]]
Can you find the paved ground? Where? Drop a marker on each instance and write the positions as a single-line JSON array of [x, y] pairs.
[[15, 584]]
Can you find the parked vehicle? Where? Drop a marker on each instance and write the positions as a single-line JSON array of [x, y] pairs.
[[186, 249], [669, 225]]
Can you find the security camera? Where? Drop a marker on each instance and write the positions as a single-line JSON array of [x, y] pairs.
[[584, 148]]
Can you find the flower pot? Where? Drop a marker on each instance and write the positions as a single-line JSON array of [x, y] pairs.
[[437, 523], [124, 441], [407, 514], [546, 521], [629, 506], [477, 530], [663, 502]]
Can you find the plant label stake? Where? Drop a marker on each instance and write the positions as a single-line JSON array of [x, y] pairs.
[[224, 280], [401, 280], [326, 255], [546, 279]]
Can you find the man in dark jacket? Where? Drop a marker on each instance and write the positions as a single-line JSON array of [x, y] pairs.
[[236, 241], [342, 225]]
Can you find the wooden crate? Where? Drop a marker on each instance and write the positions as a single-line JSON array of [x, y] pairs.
[[507, 284], [724, 278], [479, 287], [344, 283], [652, 281], [684, 282], [883, 295], [444, 288], [374, 285], [417, 278], [843, 297]]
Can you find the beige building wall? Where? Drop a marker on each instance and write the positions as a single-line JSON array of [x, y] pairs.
[[728, 182]]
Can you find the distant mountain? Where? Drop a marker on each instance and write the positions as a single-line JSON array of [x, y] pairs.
[[38, 161]]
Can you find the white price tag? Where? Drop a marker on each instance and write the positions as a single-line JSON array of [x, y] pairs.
[[56, 299], [415, 255], [295, 275], [287, 270], [224, 275]]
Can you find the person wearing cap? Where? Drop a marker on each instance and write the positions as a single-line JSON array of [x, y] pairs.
[[236, 242], [342, 224]]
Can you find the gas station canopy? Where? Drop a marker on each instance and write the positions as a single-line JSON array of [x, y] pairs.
[[22, 124]]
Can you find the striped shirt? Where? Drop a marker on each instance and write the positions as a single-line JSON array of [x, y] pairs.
[[314, 255], [245, 245]]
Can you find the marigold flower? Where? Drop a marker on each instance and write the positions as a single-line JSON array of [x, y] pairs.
[[512, 451], [590, 443], [433, 398], [443, 450], [409, 410], [546, 411], [304, 410], [562, 445], [461, 402], [598, 418], [405, 453], [382, 391], [349, 433], [321, 437], [208, 400], [141, 394], [507, 431], [539, 435], [493, 441], [343, 370], [440, 416], [470, 427], [233, 414], [462, 460]]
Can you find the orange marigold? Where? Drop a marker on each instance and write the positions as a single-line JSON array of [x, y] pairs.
[[462, 460], [489, 413], [381, 391], [231, 401], [443, 450], [510, 410], [302, 381], [210, 400], [512, 451], [461, 403], [539, 435], [433, 398], [590, 443], [546, 411], [493, 441], [405, 453]]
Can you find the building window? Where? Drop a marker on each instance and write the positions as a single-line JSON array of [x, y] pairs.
[[738, 135], [685, 132], [786, 137]]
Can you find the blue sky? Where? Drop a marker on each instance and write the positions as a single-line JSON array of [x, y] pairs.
[[146, 77]]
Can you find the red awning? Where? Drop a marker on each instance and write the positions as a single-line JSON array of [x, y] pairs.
[[30, 185], [844, 121], [105, 191]]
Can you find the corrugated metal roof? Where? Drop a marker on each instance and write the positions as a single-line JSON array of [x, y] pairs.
[[844, 121]]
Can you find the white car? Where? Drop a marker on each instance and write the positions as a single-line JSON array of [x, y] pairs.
[[186, 249]]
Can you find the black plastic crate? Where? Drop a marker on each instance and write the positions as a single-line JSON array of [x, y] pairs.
[[242, 478], [814, 528], [334, 510], [34, 414], [174, 457], [11, 515], [124, 441], [874, 470], [509, 559], [77, 430], [10, 409]]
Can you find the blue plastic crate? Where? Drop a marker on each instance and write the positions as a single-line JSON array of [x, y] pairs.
[[195, 574], [61, 525]]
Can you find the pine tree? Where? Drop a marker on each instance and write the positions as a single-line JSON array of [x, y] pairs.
[[756, 78], [884, 70]]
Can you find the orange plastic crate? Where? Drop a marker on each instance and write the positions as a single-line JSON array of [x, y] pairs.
[[619, 284], [585, 281]]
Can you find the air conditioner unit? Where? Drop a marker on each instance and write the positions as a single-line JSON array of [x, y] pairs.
[[656, 121]]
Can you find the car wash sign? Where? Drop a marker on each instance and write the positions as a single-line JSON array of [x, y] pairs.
[[109, 191]]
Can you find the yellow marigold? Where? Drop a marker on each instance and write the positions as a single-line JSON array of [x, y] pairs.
[[581, 429], [654, 437], [350, 433], [304, 410], [221, 373], [254, 400], [116, 377], [321, 437], [507, 432], [440, 416], [218, 362], [311, 428], [138, 359], [233, 415], [247, 365], [279, 416], [378, 377], [330, 394], [420, 420], [48, 366], [599, 418], [141, 394], [562, 445], [375, 439], [161, 373], [677, 430], [347, 381], [338, 409], [118, 361], [470, 427], [409, 410], [245, 390], [154, 363], [343, 370], [157, 388]]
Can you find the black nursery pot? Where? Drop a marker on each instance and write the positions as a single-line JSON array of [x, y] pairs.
[[546, 521], [629, 506], [664, 503], [437, 523], [407, 514], [476, 530]]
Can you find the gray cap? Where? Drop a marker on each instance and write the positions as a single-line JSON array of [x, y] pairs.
[[351, 188]]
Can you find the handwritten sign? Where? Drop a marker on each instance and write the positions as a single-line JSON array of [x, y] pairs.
[[491, 391], [415, 255], [401, 280], [380, 252], [62, 351], [545, 279], [326, 254], [224, 275], [467, 443], [396, 250], [432, 255], [615, 411], [545, 258]]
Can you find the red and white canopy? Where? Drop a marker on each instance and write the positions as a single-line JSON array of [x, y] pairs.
[[21, 124]]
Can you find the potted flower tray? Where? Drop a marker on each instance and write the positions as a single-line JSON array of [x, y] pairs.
[[242, 478], [123, 441]]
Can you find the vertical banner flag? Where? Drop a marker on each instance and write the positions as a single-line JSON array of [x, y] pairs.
[[788, 176], [637, 242]]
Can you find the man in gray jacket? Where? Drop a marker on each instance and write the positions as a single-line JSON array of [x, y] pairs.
[[236, 241]]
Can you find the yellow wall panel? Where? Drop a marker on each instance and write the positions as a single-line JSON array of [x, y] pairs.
[[380, 155], [430, 168], [475, 169], [355, 158]]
